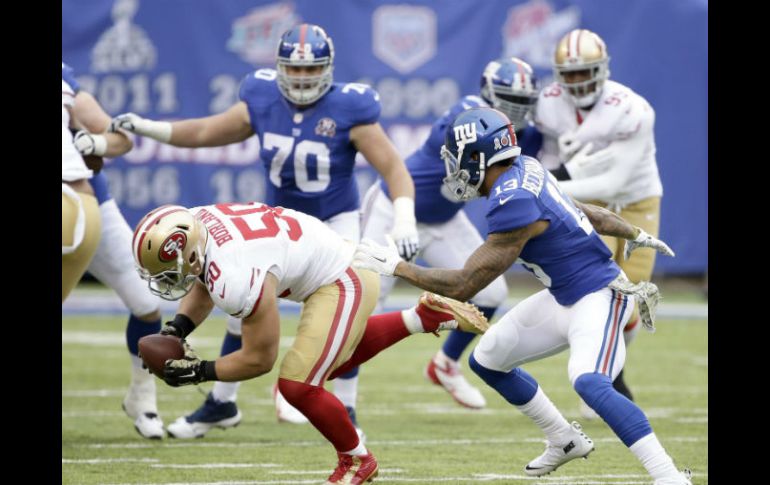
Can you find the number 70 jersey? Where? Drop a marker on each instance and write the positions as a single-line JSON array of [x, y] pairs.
[[246, 241], [307, 153]]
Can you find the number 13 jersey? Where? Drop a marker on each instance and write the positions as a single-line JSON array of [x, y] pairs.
[[246, 241], [307, 153]]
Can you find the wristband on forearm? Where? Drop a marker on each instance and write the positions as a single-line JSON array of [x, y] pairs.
[[158, 130], [208, 370], [183, 324], [403, 210]]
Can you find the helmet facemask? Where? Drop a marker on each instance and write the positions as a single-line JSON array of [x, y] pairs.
[[584, 93], [305, 46], [458, 180]]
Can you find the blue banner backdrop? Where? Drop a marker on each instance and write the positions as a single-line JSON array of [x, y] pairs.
[[174, 59]]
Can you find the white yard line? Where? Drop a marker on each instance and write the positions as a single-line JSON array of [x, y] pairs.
[[298, 444]]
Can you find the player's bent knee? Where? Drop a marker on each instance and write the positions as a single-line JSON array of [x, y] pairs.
[[592, 387], [494, 348]]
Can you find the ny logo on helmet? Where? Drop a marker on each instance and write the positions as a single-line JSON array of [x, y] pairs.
[[465, 133], [175, 242]]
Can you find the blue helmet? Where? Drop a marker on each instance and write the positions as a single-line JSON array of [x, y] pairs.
[[305, 45], [476, 139], [510, 85]]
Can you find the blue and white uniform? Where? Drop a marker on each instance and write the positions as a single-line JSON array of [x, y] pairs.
[[577, 310], [447, 236], [307, 152]]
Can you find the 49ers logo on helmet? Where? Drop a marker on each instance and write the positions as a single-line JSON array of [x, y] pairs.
[[175, 242]]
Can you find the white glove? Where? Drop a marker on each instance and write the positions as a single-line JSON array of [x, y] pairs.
[[374, 257], [404, 231], [583, 165], [158, 130], [90, 144], [568, 145], [644, 240]]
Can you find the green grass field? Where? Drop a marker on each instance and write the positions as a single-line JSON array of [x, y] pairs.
[[417, 432]]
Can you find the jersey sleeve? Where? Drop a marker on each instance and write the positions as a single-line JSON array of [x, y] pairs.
[[512, 209], [360, 102], [240, 292], [256, 85], [68, 76], [635, 115]]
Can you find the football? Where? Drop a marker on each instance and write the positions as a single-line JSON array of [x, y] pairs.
[[155, 349]]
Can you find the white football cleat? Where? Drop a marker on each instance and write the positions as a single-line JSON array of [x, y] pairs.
[[445, 372], [682, 478], [140, 404], [285, 412], [575, 445], [211, 414]]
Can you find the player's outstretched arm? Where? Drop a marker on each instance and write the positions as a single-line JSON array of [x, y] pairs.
[[608, 223], [232, 126], [489, 261], [89, 116], [377, 148]]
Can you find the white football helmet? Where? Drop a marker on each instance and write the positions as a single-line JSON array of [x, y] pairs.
[[582, 50], [169, 246]]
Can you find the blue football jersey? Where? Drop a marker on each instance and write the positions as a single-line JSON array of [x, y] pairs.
[[68, 75], [425, 166], [307, 153], [569, 258]]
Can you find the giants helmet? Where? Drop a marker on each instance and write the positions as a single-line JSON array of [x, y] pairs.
[[305, 45], [510, 85], [476, 139], [582, 50], [169, 246]]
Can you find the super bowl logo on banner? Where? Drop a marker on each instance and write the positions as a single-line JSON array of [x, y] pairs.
[[256, 34], [404, 36], [533, 29], [125, 46]]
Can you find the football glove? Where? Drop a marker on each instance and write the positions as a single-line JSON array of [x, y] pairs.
[[380, 259], [404, 231], [158, 130], [187, 370], [644, 240], [90, 144]]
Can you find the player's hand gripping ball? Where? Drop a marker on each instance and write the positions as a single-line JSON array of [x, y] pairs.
[[157, 348]]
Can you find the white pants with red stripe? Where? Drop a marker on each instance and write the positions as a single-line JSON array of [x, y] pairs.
[[539, 327]]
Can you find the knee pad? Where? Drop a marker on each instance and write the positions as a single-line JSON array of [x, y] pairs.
[[493, 348]]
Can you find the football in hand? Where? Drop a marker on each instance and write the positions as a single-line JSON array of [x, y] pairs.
[[156, 349]]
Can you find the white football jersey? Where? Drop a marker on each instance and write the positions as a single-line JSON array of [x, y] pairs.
[[619, 115], [72, 165], [246, 241]]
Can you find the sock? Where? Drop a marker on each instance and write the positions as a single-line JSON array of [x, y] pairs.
[[624, 417], [456, 343], [543, 412], [136, 329], [654, 458], [346, 388], [227, 391], [516, 386], [324, 411], [359, 450], [381, 332]]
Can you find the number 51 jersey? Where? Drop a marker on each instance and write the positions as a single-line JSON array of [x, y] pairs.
[[307, 152], [246, 241]]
